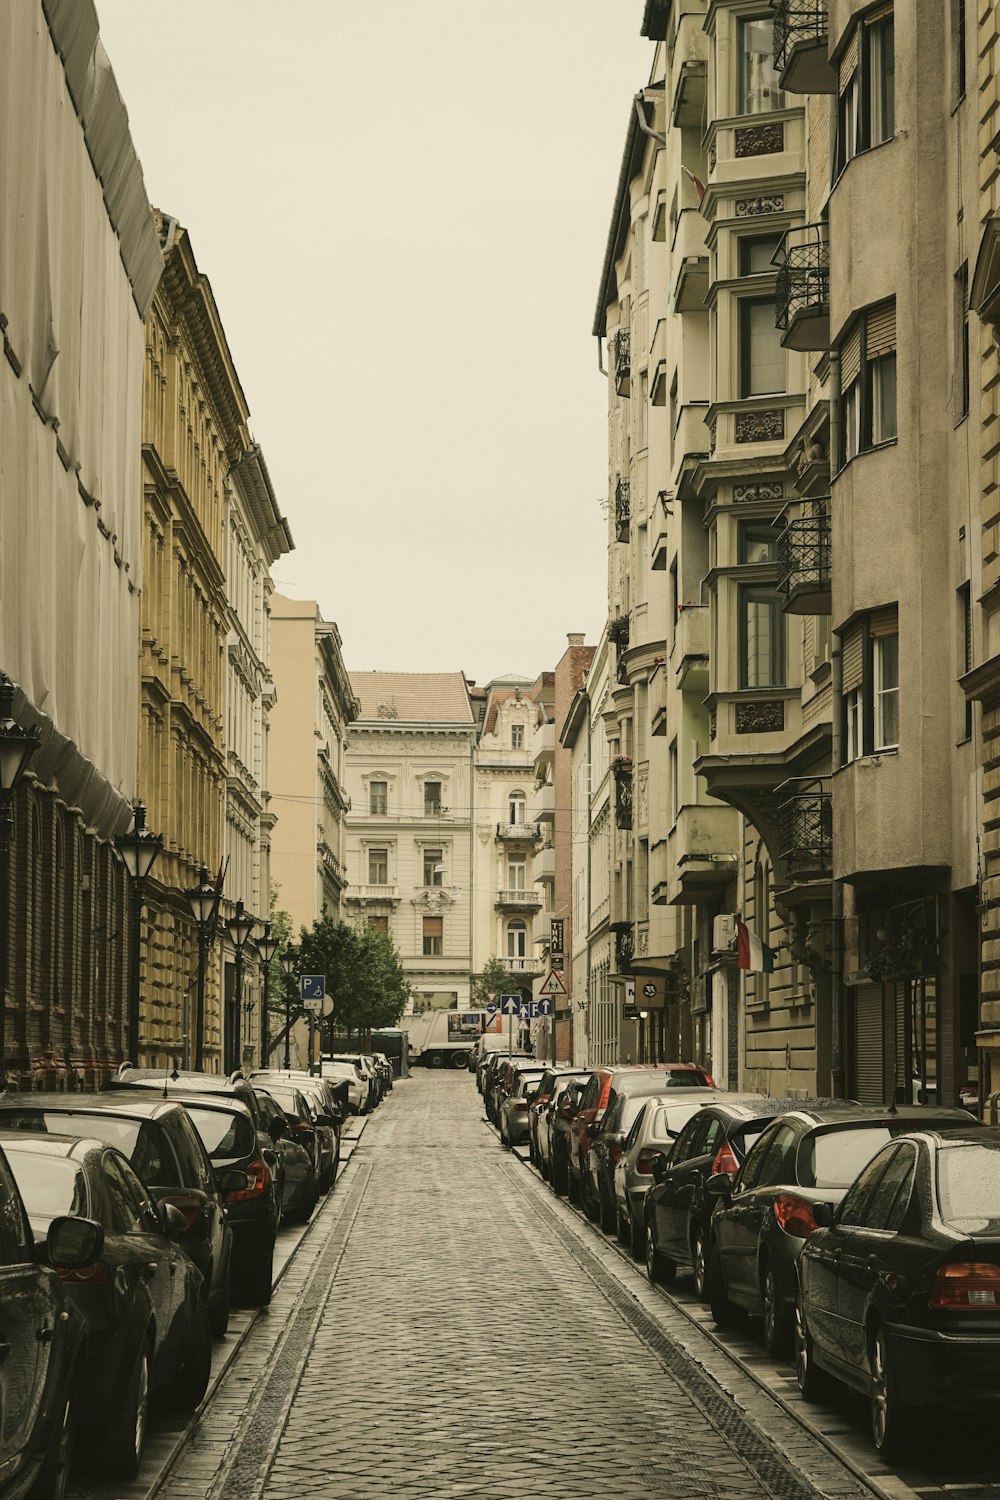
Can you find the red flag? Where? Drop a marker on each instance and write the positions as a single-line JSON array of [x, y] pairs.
[[699, 186]]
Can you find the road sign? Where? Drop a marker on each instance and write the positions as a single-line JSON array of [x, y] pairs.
[[554, 985], [313, 1005], [510, 1005], [543, 1007], [491, 1007], [312, 986]]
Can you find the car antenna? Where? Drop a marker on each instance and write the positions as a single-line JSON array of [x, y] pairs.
[[168, 1078], [895, 1086]]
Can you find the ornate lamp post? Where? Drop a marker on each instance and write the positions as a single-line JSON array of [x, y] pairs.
[[202, 899], [289, 962], [267, 947], [138, 850], [17, 746], [240, 925]]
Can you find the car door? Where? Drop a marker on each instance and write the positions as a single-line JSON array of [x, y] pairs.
[[871, 1249], [819, 1267], [739, 1225], [689, 1161], [141, 1253], [27, 1328]]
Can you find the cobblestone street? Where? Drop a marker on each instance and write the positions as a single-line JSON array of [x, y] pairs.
[[447, 1329]]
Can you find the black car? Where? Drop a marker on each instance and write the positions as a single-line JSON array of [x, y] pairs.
[[157, 1138], [764, 1214], [146, 1328], [324, 1108], [899, 1287], [42, 1332], [296, 1139]]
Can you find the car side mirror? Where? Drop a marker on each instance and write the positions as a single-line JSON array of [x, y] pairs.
[[73, 1242], [173, 1221], [824, 1214], [231, 1180], [277, 1128], [720, 1185], [659, 1167], [327, 1120]]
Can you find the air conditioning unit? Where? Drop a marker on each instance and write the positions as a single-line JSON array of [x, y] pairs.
[[723, 933]]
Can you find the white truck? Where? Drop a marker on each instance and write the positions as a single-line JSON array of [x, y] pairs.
[[444, 1038]]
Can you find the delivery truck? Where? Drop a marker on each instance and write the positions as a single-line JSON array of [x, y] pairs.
[[444, 1038]]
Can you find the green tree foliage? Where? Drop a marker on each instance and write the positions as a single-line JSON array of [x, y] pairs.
[[363, 971], [492, 981]]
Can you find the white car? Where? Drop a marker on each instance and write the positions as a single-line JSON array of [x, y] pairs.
[[357, 1083]]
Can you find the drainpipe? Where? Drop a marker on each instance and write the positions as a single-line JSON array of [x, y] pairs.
[[837, 1076]]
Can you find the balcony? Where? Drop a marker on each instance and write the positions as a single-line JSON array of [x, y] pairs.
[[623, 510], [623, 362], [805, 827], [518, 833], [658, 701], [804, 558], [621, 768], [702, 854], [544, 803], [690, 648], [524, 968], [543, 747], [802, 288], [518, 900], [690, 258], [801, 57], [543, 866], [624, 944], [377, 893], [618, 634]]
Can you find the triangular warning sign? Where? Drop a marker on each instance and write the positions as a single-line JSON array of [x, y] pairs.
[[554, 985]]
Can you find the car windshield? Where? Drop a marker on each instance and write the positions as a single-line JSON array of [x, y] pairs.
[[689, 1078], [968, 1186], [224, 1136], [50, 1185], [138, 1140]]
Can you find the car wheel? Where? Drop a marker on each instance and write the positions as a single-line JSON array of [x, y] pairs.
[[256, 1279], [660, 1269], [121, 1442], [436, 1060], [777, 1323], [187, 1388], [699, 1262], [808, 1375], [460, 1060], [723, 1311], [609, 1214], [889, 1417], [218, 1312], [544, 1168], [52, 1482], [636, 1237]]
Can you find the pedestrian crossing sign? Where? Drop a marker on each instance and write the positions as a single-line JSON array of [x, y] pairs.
[[554, 985]]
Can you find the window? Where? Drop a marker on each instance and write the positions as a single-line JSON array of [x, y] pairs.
[[758, 83], [762, 359], [958, 48], [380, 924], [517, 940], [755, 252], [762, 638], [868, 381], [378, 792], [432, 799], [870, 683], [961, 377], [866, 112], [433, 866], [516, 869], [517, 736], [516, 805], [757, 542], [378, 867], [433, 936], [674, 782], [965, 648]]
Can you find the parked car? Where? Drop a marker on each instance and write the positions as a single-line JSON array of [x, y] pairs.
[[538, 1101], [350, 1073], [546, 1116], [676, 1227], [367, 1074], [627, 1150], [602, 1088], [296, 1174], [157, 1138], [490, 1062], [559, 1130], [608, 1138], [324, 1111], [145, 1324], [764, 1213], [899, 1286], [42, 1331], [505, 1082], [494, 1070], [302, 1129], [523, 1080], [385, 1070]]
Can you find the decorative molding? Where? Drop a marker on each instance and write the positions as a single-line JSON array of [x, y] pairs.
[[759, 140], [744, 493], [713, 157], [760, 426], [713, 723], [747, 207], [712, 437], [760, 718]]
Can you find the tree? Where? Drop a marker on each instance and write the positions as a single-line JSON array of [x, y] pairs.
[[363, 971], [492, 981]]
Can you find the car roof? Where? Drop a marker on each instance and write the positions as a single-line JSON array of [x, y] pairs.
[[141, 1103], [41, 1143], [839, 1112], [212, 1101]]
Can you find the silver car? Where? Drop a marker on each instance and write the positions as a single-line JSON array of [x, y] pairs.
[[652, 1134], [513, 1112]]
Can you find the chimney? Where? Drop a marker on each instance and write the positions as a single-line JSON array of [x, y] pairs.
[[575, 639]]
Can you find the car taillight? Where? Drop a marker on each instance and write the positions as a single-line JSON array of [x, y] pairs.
[[95, 1275], [966, 1285], [794, 1215], [258, 1182], [644, 1161], [725, 1160]]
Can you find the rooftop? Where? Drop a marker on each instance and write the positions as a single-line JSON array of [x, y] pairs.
[[413, 697]]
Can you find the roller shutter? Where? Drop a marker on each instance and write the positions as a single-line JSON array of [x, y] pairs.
[[880, 331], [850, 358], [852, 657], [868, 1070]]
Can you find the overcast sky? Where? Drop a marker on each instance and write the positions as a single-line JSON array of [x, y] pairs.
[[403, 208]]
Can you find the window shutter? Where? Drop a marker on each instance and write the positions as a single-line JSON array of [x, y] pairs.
[[880, 331], [884, 621], [433, 926], [852, 657], [850, 358], [849, 61]]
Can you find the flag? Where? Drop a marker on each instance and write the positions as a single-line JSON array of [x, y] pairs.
[[699, 186], [751, 953]]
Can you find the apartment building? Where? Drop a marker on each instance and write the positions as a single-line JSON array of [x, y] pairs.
[[410, 835]]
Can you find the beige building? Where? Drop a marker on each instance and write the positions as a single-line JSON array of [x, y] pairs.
[[314, 706], [410, 824], [79, 262]]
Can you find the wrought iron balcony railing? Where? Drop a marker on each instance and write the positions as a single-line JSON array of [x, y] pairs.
[[618, 632], [797, 21], [623, 361], [623, 509], [804, 558], [623, 794], [624, 946], [805, 826], [802, 288]]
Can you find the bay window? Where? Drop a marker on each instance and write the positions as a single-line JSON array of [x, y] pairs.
[[870, 683]]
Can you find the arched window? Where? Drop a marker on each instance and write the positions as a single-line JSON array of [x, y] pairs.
[[516, 807], [517, 939]]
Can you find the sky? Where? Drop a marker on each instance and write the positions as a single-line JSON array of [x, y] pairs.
[[403, 210]]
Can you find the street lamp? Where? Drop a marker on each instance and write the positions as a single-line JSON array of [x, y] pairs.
[[289, 960], [17, 746], [240, 925], [202, 899], [138, 850], [267, 947]]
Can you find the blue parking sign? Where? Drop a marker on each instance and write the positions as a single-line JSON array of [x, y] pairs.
[[312, 986]]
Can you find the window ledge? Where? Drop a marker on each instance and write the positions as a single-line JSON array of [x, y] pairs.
[[864, 452], [865, 151]]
